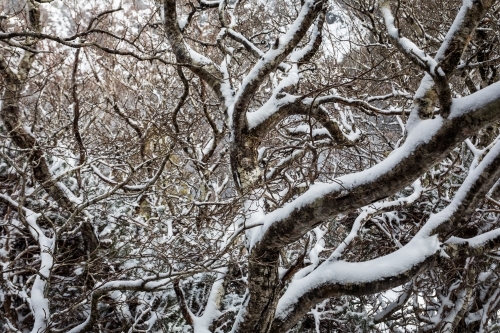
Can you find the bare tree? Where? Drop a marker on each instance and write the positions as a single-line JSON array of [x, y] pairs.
[[243, 166]]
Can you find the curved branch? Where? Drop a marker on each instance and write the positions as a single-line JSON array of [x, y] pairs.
[[186, 313], [447, 58], [201, 66], [394, 306], [400, 169], [271, 60], [76, 119], [334, 278]]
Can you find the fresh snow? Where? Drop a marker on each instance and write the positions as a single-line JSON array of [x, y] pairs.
[[422, 134]]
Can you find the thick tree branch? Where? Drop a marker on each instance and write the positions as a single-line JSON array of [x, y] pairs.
[[442, 66], [334, 278], [244, 145], [400, 169], [201, 66]]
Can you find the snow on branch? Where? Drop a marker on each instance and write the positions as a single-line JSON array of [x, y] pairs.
[[426, 144], [38, 302], [336, 277], [375, 208], [271, 59], [199, 64], [411, 50]]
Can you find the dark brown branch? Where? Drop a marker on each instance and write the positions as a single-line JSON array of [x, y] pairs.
[[206, 71], [394, 306], [298, 265], [76, 119], [461, 210], [186, 314], [322, 291], [418, 160]]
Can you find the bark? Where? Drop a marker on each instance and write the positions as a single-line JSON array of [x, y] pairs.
[[320, 292], [13, 119], [420, 159], [263, 258], [264, 287], [208, 72], [453, 225], [243, 153], [448, 57]]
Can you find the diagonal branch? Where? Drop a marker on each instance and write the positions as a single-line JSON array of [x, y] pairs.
[[442, 66], [400, 169], [335, 278], [198, 64]]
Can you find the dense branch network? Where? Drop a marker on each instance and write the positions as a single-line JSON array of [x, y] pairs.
[[238, 166]]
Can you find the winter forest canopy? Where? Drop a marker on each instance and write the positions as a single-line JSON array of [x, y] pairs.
[[249, 166]]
